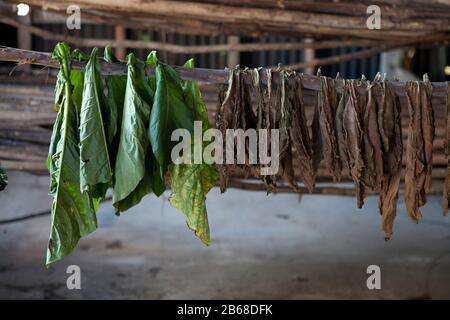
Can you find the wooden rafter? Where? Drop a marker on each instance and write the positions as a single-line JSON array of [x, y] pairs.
[[401, 20], [186, 49]]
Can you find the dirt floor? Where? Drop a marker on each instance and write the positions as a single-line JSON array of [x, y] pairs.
[[277, 246]]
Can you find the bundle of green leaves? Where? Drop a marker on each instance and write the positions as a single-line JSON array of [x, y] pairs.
[[116, 133], [3, 179]]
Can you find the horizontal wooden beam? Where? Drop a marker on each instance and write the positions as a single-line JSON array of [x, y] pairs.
[[183, 49], [257, 20], [213, 76]]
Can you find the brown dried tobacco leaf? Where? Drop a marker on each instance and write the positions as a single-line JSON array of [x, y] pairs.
[[268, 124], [259, 98], [288, 170], [414, 151], [419, 147], [283, 115], [392, 153], [257, 107], [446, 199], [284, 124], [300, 137], [353, 139], [220, 125], [227, 118], [339, 127], [324, 118], [334, 99], [383, 109], [316, 139], [361, 107], [388, 202], [428, 130], [372, 156], [250, 99]]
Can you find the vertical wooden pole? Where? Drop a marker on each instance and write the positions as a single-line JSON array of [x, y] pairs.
[[233, 56], [120, 36], [24, 39], [309, 55]]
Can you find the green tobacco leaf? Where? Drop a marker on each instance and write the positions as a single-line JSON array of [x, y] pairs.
[[158, 184], [193, 98], [77, 81], [72, 213], [109, 56], [169, 112], [59, 92], [75, 77], [79, 55], [133, 177], [3, 179], [116, 85], [152, 60], [95, 168], [55, 137], [191, 182]]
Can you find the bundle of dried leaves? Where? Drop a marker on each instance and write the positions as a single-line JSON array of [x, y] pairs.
[[419, 147], [356, 130]]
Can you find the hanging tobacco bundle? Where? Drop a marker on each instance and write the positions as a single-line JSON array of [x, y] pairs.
[[419, 147], [248, 104], [267, 122], [261, 114], [191, 182], [120, 140], [372, 172], [353, 138], [95, 166], [339, 126], [272, 104], [136, 172], [357, 130], [389, 127], [299, 135], [227, 117], [116, 86], [73, 211], [325, 136], [283, 122], [248, 112]]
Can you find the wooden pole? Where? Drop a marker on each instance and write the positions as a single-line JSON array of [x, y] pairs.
[[254, 19], [212, 76], [308, 55], [233, 55], [24, 36], [184, 49], [119, 33]]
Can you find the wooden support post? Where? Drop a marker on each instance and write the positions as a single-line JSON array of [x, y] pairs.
[[309, 55], [120, 37], [233, 56], [24, 40]]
